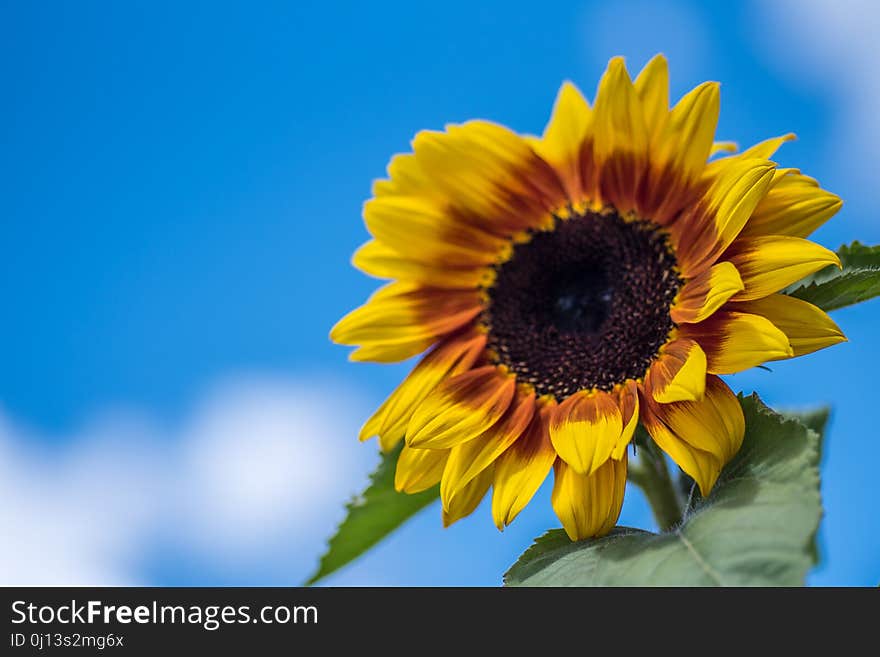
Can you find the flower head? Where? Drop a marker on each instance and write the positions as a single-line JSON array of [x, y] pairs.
[[570, 286]]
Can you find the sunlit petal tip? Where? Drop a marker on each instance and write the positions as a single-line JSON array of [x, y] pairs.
[[617, 64], [337, 332], [389, 353], [371, 427], [569, 120], [570, 95], [769, 147], [724, 147], [652, 87], [658, 60], [653, 79]]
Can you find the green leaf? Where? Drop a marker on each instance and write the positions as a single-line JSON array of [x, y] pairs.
[[372, 515], [832, 288], [756, 528], [815, 419]]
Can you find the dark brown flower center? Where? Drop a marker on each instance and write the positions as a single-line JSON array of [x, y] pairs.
[[585, 305]]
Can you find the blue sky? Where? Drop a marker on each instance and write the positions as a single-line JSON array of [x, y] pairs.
[[182, 193]]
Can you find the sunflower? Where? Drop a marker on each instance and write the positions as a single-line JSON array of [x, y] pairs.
[[569, 286]]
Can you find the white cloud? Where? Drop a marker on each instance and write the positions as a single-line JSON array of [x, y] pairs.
[[830, 48], [260, 470]]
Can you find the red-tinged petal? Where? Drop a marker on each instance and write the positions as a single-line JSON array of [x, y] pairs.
[[807, 328], [700, 436], [585, 429], [401, 320], [564, 137], [469, 459], [461, 408], [679, 374], [620, 138], [453, 356], [705, 293], [520, 471], [628, 399], [769, 263], [703, 232], [736, 341]]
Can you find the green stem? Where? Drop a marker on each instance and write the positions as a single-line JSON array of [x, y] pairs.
[[652, 476]]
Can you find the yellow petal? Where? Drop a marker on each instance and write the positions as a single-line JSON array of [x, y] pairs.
[[702, 466], [679, 153], [724, 147], [419, 469], [620, 139], [628, 399], [679, 374], [451, 357], [469, 459], [707, 229], [767, 148], [686, 141], [713, 424], [564, 136], [585, 429], [735, 341], [807, 327], [406, 178], [400, 321], [735, 195], [520, 471], [768, 264], [794, 206], [414, 226], [705, 293], [652, 88], [461, 408], [390, 352], [468, 497], [372, 425], [379, 260], [700, 436], [490, 174], [588, 505], [762, 151]]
